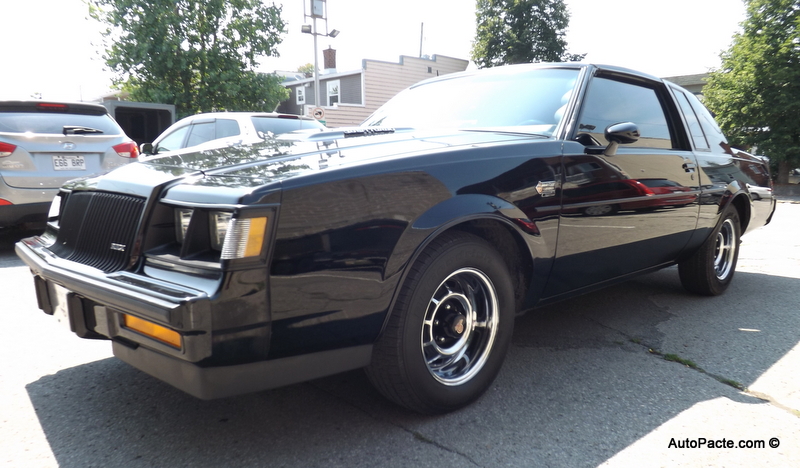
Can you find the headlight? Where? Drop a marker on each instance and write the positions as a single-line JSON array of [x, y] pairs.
[[218, 222], [244, 238], [182, 218], [55, 209]]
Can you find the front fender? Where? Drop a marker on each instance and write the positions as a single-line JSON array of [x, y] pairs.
[[474, 213], [464, 207], [445, 215]]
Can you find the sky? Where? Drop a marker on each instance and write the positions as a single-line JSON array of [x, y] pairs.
[[52, 47]]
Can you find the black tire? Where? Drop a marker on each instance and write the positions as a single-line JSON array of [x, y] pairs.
[[450, 328], [710, 270]]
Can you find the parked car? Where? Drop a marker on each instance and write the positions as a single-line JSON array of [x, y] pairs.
[[221, 129], [794, 176], [405, 246], [44, 144]]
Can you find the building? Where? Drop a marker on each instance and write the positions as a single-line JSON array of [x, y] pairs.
[[347, 98], [692, 83]]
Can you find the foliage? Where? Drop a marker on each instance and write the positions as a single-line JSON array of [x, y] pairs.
[[199, 55], [756, 93], [521, 31], [307, 69]]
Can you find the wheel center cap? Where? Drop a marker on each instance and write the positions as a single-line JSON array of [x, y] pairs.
[[459, 324]]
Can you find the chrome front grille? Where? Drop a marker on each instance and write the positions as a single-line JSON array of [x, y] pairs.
[[98, 229]]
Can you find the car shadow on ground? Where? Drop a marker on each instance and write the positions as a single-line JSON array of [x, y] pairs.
[[583, 380]]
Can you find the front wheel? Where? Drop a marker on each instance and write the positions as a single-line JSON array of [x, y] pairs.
[[710, 270], [450, 328]]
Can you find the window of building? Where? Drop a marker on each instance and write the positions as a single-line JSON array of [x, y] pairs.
[[333, 92]]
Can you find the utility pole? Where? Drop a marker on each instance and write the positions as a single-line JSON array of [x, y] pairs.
[[421, 35], [316, 9]]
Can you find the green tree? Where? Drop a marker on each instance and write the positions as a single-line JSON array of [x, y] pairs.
[[756, 92], [198, 55], [307, 69], [521, 31]]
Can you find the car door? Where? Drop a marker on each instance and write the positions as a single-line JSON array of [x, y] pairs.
[[628, 210]]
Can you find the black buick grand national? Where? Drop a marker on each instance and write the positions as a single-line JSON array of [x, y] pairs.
[[405, 246]]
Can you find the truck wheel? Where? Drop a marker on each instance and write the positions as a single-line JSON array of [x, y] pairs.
[[450, 327], [710, 270]]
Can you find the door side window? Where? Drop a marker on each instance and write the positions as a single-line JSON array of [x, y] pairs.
[[173, 141], [201, 133], [609, 102]]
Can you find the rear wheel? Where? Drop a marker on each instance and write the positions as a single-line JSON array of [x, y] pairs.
[[450, 328], [710, 270]]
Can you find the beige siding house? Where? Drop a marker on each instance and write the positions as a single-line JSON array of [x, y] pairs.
[[692, 83], [349, 98]]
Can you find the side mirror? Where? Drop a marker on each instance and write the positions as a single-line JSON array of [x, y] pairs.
[[146, 148], [623, 133]]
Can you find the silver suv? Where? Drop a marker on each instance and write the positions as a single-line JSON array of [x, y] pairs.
[[44, 144]]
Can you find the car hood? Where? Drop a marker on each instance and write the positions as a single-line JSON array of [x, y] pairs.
[[278, 162]]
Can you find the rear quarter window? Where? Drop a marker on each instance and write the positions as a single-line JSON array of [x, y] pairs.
[[698, 137], [279, 125], [716, 139], [227, 128]]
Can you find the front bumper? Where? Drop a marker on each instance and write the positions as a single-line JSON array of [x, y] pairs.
[[94, 303]]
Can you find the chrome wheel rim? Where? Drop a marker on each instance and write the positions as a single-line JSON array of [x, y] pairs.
[[725, 250], [460, 326]]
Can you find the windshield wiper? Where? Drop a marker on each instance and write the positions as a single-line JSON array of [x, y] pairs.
[[78, 130]]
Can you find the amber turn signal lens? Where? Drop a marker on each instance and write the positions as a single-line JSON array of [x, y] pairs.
[[255, 237], [152, 330]]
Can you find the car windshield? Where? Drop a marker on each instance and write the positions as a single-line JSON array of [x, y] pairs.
[[51, 122], [529, 100]]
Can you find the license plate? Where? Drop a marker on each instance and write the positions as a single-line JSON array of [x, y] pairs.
[[69, 163]]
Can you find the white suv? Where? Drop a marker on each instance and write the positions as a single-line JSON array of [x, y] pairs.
[[44, 144], [221, 129]]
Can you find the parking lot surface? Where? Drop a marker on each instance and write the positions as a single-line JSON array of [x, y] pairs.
[[638, 374]]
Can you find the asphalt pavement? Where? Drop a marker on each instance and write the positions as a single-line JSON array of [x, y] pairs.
[[639, 374]]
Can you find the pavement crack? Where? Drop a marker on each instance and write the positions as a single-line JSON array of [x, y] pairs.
[[676, 358], [721, 379], [424, 439]]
